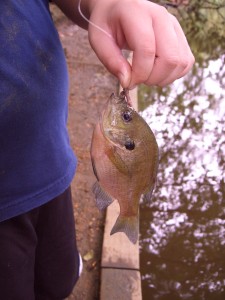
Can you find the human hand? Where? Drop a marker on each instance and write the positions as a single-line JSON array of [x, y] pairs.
[[161, 53]]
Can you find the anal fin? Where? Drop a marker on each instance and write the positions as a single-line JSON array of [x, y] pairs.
[[147, 197]]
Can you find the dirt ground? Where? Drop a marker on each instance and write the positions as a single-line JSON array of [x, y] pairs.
[[90, 86]]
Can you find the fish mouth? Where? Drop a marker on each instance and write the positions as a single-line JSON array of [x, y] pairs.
[[123, 97], [116, 99]]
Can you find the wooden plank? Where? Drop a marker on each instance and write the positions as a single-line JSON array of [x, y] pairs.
[[120, 275], [120, 285], [118, 251]]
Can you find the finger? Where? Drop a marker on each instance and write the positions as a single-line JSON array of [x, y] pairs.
[[110, 55], [186, 58], [167, 50], [143, 47]]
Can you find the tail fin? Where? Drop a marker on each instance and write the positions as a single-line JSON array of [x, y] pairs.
[[128, 225]]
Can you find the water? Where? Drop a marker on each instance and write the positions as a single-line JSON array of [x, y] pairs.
[[183, 228]]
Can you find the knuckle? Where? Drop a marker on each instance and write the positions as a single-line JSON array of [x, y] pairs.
[[184, 63], [172, 61], [162, 10], [147, 51], [187, 62]]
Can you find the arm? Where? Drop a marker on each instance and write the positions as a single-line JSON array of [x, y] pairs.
[[161, 53], [70, 9]]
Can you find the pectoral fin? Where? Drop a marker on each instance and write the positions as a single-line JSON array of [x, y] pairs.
[[102, 198]]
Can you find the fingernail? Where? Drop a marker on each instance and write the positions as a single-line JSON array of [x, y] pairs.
[[123, 78]]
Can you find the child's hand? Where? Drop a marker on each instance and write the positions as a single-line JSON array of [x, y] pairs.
[[161, 53]]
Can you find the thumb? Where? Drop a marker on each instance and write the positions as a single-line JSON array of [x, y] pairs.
[[110, 55]]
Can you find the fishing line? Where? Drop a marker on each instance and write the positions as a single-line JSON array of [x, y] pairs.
[[125, 91], [90, 22]]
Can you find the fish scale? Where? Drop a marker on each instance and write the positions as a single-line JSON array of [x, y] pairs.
[[124, 155]]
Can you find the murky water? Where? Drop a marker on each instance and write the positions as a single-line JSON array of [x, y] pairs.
[[183, 228]]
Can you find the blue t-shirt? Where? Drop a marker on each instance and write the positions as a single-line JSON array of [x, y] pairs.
[[36, 160]]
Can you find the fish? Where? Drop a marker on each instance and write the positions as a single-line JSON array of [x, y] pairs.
[[124, 155]]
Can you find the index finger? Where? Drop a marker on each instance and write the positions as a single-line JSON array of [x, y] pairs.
[[142, 45]]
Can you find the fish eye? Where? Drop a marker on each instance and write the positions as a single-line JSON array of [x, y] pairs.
[[129, 145], [127, 116]]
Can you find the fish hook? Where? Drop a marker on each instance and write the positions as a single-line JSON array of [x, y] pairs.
[[125, 94]]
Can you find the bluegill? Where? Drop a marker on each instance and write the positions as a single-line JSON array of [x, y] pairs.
[[124, 155]]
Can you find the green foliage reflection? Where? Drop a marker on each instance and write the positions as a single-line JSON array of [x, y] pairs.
[[182, 229]]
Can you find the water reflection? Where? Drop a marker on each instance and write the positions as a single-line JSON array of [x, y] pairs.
[[183, 228]]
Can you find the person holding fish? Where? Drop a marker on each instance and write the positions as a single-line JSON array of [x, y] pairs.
[[39, 257]]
